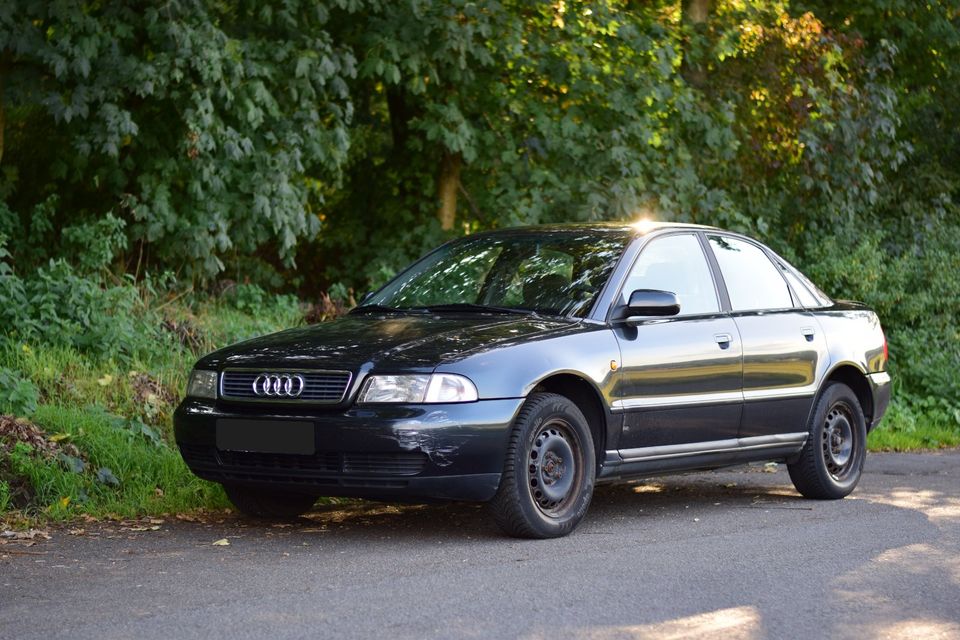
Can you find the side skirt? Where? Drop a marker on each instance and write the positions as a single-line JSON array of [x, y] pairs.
[[646, 461]]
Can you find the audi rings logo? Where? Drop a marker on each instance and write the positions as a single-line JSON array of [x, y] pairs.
[[279, 385]]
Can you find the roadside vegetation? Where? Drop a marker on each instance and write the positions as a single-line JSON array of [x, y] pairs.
[[89, 385], [175, 179]]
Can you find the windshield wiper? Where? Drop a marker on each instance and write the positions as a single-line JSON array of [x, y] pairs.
[[468, 306]]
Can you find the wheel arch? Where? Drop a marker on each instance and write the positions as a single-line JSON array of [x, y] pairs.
[[579, 390], [855, 378]]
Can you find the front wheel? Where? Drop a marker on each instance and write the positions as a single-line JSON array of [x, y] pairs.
[[830, 464], [267, 504], [549, 472]]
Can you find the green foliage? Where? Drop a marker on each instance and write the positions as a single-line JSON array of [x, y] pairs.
[[246, 297], [122, 476], [18, 396], [117, 411], [926, 423], [4, 496], [59, 306], [196, 123]]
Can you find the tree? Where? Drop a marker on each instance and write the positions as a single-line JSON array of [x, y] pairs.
[[195, 124]]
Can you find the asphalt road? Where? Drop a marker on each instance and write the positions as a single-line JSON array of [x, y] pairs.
[[733, 554]]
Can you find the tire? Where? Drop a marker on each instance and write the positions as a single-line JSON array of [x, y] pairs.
[[831, 462], [266, 504], [549, 472]]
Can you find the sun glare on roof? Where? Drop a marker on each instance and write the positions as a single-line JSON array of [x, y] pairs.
[[643, 225]]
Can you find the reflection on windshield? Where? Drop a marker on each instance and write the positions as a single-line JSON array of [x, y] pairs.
[[552, 273]]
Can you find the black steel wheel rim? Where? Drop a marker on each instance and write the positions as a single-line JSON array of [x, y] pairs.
[[838, 441], [554, 468]]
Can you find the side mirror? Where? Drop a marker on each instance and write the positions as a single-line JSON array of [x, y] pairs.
[[365, 297], [652, 302]]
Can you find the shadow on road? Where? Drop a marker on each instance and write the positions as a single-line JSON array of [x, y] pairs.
[[661, 498]]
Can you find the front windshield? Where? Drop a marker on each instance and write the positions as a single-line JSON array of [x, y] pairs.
[[549, 272]]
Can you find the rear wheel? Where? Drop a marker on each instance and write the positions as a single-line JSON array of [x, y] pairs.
[[548, 476], [831, 462], [268, 504]]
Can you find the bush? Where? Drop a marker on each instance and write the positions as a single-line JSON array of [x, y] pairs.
[[17, 395], [58, 306]]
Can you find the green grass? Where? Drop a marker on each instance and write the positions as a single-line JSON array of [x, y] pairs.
[[125, 474], [924, 424], [118, 413]]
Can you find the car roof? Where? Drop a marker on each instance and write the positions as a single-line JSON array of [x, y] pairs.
[[639, 228]]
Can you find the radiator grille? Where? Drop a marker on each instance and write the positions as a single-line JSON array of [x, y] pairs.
[[320, 387]]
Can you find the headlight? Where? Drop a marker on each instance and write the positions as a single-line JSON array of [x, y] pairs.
[[418, 389], [202, 384]]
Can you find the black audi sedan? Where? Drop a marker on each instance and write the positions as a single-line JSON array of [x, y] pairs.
[[523, 367]]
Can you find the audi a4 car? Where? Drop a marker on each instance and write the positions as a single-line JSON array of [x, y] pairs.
[[523, 367]]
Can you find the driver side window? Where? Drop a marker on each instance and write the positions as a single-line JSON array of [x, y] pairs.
[[675, 263]]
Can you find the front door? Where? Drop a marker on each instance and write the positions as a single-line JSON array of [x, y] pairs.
[[679, 385]]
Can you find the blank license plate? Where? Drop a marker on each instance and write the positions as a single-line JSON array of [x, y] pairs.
[[265, 436]]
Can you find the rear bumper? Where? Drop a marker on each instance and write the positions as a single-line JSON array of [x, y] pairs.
[[416, 452], [880, 390]]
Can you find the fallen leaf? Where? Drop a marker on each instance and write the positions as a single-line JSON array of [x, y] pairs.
[[59, 437], [30, 534], [64, 501], [105, 380], [72, 463], [105, 475], [222, 542]]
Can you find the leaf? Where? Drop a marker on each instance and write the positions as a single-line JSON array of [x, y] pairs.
[[222, 542], [59, 437], [105, 380], [105, 476], [72, 463], [64, 501]]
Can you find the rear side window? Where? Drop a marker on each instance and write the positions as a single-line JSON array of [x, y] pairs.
[[753, 281], [676, 264], [806, 298]]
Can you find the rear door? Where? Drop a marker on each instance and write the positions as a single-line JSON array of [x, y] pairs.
[[679, 383], [783, 346]]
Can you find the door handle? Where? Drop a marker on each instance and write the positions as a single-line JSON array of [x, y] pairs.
[[808, 333], [723, 339]]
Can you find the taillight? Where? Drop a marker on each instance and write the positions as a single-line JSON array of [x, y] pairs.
[[886, 351]]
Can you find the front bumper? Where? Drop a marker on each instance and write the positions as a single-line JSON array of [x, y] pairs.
[[880, 389], [395, 452]]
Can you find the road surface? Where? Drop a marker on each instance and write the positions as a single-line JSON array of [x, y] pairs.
[[732, 554]]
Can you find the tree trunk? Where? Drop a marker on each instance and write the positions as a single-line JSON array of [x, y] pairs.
[[447, 188], [696, 11], [695, 16]]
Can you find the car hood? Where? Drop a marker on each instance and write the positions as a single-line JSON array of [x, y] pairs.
[[387, 342]]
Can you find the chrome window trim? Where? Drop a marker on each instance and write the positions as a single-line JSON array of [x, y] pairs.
[[294, 401]]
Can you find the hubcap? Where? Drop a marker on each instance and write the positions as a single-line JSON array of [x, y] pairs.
[[838, 440], [553, 469]]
